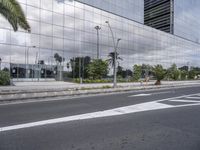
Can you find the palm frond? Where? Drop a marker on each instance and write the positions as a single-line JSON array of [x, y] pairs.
[[111, 56], [11, 18], [21, 16], [12, 11]]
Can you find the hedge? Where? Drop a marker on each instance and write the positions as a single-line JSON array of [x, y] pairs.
[[4, 78]]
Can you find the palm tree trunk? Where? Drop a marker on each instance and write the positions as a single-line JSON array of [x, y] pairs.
[[158, 82]]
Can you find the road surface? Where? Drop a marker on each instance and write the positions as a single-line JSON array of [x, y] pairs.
[[144, 120]]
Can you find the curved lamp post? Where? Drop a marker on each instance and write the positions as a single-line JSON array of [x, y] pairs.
[[0, 63], [27, 59], [98, 28], [115, 55]]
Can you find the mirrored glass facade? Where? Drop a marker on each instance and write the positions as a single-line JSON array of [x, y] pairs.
[[67, 28], [130, 9], [187, 19]]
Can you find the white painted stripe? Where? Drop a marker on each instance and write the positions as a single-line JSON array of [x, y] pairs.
[[187, 105], [149, 94], [107, 113], [193, 97], [185, 101], [178, 97], [140, 95]]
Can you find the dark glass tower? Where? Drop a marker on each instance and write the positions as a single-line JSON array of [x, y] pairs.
[[159, 14]]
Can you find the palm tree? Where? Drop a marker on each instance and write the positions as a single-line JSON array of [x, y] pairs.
[[59, 59], [111, 60], [12, 11], [159, 73]]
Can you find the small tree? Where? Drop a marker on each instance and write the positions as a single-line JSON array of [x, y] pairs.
[[58, 58], [173, 72], [4, 78], [192, 74], [184, 74], [146, 70], [80, 64], [124, 73], [97, 69], [137, 72], [119, 71], [159, 73]]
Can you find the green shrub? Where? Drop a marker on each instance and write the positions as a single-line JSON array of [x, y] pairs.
[[173, 72], [97, 69], [107, 87], [93, 81], [4, 78], [77, 80], [184, 75], [192, 74], [159, 73], [137, 72]]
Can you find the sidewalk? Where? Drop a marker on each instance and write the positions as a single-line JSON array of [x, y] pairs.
[[60, 85], [30, 90]]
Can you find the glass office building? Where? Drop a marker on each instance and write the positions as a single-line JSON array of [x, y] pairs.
[[187, 19], [178, 17], [67, 28], [159, 14]]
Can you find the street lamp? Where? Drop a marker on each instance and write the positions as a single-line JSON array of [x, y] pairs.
[[98, 51], [80, 70], [115, 55], [0, 63], [28, 53], [27, 59], [118, 40], [188, 64]]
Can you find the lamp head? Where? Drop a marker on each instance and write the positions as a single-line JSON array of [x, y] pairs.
[[97, 27]]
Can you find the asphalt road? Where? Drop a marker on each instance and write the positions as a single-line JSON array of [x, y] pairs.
[[171, 122]]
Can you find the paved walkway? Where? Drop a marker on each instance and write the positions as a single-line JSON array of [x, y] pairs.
[[59, 85], [33, 90]]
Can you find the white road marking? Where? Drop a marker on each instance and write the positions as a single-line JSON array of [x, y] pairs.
[[154, 105], [185, 101], [149, 94], [140, 95], [107, 113], [178, 97], [193, 97]]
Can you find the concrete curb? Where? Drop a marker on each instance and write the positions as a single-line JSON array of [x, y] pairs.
[[6, 97]]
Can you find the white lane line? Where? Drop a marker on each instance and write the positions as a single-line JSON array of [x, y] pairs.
[[178, 97], [140, 95], [149, 94], [193, 97], [185, 101], [107, 113]]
